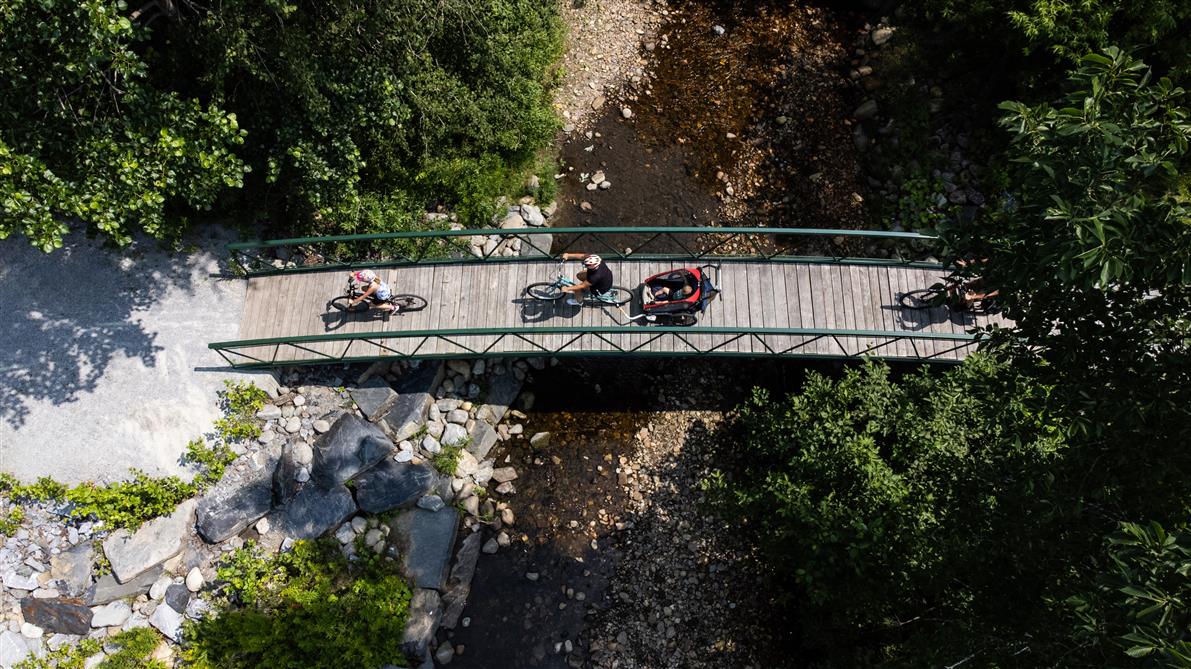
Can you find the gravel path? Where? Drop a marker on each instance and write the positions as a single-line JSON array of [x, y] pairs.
[[103, 357]]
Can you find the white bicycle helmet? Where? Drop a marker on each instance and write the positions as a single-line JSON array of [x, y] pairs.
[[365, 276], [593, 261]]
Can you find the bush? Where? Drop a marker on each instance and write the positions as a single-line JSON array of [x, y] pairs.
[[240, 402], [127, 650], [129, 503], [212, 461], [309, 608]]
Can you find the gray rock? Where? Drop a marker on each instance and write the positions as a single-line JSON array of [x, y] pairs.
[[425, 610], [73, 568], [467, 464], [136, 620], [197, 608], [430, 502], [155, 542], [111, 615], [407, 415], [16, 581], [391, 485], [445, 653], [425, 540], [313, 512], [540, 440], [13, 648], [483, 473], [177, 596], [320, 426], [459, 582], [194, 580], [866, 110], [881, 35], [457, 416], [345, 534], [502, 392], [374, 398], [533, 215], [67, 615], [490, 547], [157, 590], [536, 246], [453, 434], [108, 589], [167, 621], [351, 446], [483, 438], [431, 445], [289, 475], [244, 494], [422, 379], [269, 412]]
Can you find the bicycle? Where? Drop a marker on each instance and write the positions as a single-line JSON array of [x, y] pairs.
[[552, 290], [401, 303], [949, 293]]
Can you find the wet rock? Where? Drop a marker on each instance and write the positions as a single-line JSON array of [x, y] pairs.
[[313, 512], [66, 615], [459, 583], [425, 540], [425, 610], [351, 446], [374, 398], [540, 440], [244, 494], [155, 542], [445, 653], [866, 110], [882, 35], [392, 485], [626, 112], [108, 589]]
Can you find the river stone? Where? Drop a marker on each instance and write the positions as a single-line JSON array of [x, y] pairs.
[[540, 440], [502, 392], [269, 412], [459, 583], [67, 615], [374, 398], [467, 464], [453, 434], [483, 438], [425, 539], [155, 542], [243, 495], [108, 589], [504, 474], [391, 485], [407, 415], [13, 648], [866, 110], [313, 512], [73, 568], [351, 446], [533, 215], [425, 610], [422, 379], [431, 502], [177, 596], [167, 621], [111, 615], [14, 580]]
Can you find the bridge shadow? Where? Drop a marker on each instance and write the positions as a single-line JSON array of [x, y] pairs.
[[333, 318], [540, 311], [921, 319]]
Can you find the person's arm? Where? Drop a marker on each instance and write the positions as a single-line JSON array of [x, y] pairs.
[[582, 285], [574, 256], [371, 289]]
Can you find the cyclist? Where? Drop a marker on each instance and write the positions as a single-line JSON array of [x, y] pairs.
[[374, 290], [970, 291], [597, 278]]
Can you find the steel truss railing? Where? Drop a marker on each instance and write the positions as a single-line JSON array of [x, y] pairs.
[[618, 243], [591, 341]]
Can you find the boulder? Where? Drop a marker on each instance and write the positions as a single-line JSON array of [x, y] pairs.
[[167, 621], [459, 583], [425, 610], [351, 446], [108, 589], [290, 474], [155, 542], [73, 568], [502, 392], [483, 438], [425, 539], [243, 495], [313, 512], [111, 615], [453, 434], [536, 246], [533, 215], [422, 379], [67, 615], [374, 398], [392, 485], [407, 415]]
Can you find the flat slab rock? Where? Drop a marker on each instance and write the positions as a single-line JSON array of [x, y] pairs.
[[422, 379], [242, 496], [155, 542], [459, 583], [483, 438], [374, 398], [108, 589], [65, 615], [348, 448], [502, 392], [73, 568], [392, 485], [425, 610], [407, 415], [313, 512], [425, 539]]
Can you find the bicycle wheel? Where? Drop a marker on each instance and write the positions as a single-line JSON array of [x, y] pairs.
[[544, 291], [343, 303], [683, 320], [923, 298], [406, 303], [616, 296]]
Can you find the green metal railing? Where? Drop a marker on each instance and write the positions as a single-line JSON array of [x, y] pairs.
[[312, 254], [591, 341]]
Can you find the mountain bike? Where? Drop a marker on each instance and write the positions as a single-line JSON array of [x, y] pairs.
[[552, 290], [948, 293], [401, 303]]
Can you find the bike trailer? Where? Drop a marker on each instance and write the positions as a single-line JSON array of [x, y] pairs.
[[691, 290]]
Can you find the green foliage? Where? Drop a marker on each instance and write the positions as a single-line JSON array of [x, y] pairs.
[[129, 503], [87, 136], [129, 650], [877, 503], [306, 608], [1140, 601], [211, 460], [11, 520], [360, 117], [45, 489], [448, 458], [240, 401]]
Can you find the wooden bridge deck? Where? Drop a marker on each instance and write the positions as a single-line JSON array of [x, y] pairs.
[[755, 295]]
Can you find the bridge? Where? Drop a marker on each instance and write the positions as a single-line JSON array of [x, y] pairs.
[[838, 301]]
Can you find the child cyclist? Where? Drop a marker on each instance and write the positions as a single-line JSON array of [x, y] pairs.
[[371, 288]]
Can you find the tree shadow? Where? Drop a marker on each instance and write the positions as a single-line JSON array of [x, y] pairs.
[[76, 310]]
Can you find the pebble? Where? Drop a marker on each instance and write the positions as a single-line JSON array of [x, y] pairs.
[[194, 579], [597, 102], [532, 575], [490, 547], [445, 653], [626, 112], [585, 206], [359, 524], [31, 631], [321, 426]]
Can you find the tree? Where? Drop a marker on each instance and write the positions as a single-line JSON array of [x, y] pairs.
[[85, 137]]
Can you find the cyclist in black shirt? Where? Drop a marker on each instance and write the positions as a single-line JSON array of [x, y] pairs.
[[597, 278]]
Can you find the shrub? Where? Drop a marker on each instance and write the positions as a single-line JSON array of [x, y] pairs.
[[448, 458], [127, 650], [129, 503], [306, 608], [212, 461], [11, 521], [240, 402]]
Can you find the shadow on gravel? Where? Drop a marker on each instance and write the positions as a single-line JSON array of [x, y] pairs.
[[72, 312]]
